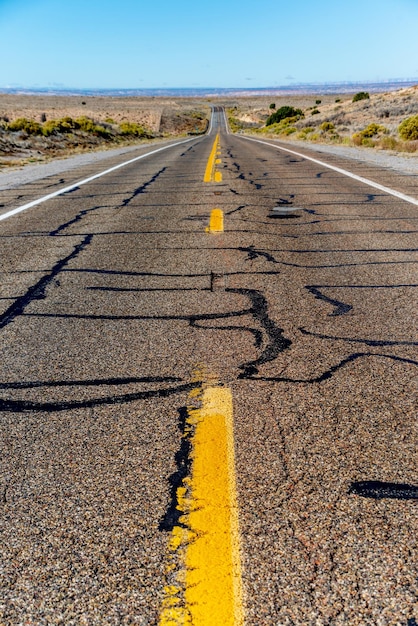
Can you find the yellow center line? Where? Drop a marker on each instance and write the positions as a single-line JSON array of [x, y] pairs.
[[211, 175], [216, 221], [208, 591]]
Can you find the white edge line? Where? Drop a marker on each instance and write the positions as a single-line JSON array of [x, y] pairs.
[[226, 122], [24, 207], [392, 192], [211, 119]]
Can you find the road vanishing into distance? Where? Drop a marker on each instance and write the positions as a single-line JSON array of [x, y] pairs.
[[208, 390]]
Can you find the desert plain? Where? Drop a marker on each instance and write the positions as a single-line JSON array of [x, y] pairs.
[[330, 118]]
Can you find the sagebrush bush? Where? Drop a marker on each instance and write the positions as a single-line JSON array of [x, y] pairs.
[[373, 129], [282, 126], [302, 134], [326, 126], [132, 129], [408, 129], [361, 95], [283, 113], [366, 136], [388, 143], [28, 126]]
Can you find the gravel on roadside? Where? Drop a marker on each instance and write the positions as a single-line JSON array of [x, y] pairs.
[[406, 164], [15, 177], [28, 173]]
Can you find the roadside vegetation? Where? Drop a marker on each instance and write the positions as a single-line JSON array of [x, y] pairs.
[[381, 121], [80, 126], [24, 139]]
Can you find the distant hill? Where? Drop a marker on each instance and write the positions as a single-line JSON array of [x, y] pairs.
[[207, 92]]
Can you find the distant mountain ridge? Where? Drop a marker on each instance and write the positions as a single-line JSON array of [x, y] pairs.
[[207, 92]]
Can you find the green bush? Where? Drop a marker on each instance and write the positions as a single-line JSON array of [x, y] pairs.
[[318, 101], [283, 113], [361, 95], [272, 105], [289, 130], [69, 125], [408, 129], [315, 112], [282, 126], [305, 132], [326, 126], [132, 129], [373, 129], [365, 136], [28, 126]]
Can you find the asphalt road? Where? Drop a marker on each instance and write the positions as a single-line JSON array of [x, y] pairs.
[[118, 309]]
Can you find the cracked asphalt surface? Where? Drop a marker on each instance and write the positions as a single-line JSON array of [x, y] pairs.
[[113, 296]]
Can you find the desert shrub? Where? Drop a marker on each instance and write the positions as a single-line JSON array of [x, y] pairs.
[[338, 100], [272, 105], [357, 139], [282, 126], [50, 128], [110, 120], [69, 125], [283, 113], [43, 117], [388, 143], [28, 126], [408, 129], [132, 129], [365, 136], [85, 123], [315, 112], [410, 146], [289, 130], [318, 101], [373, 129], [305, 132], [361, 95], [197, 115], [234, 124], [326, 126], [63, 125]]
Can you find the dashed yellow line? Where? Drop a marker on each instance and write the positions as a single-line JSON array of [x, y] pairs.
[[216, 221], [208, 590]]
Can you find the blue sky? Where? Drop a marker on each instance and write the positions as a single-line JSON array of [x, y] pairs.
[[257, 43]]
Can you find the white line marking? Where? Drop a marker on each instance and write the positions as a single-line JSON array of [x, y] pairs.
[[88, 180], [208, 132], [226, 122], [366, 181]]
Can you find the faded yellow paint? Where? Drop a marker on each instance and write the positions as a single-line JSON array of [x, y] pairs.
[[218, 177], [208, 589], [213, 562]]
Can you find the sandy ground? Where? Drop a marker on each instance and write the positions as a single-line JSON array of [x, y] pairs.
[[170, 117], [161, 117]]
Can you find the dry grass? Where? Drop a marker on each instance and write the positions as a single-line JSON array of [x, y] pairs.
[[161, 117], [350, 120]]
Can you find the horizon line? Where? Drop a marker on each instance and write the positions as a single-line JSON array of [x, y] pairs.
[[293, 85]]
